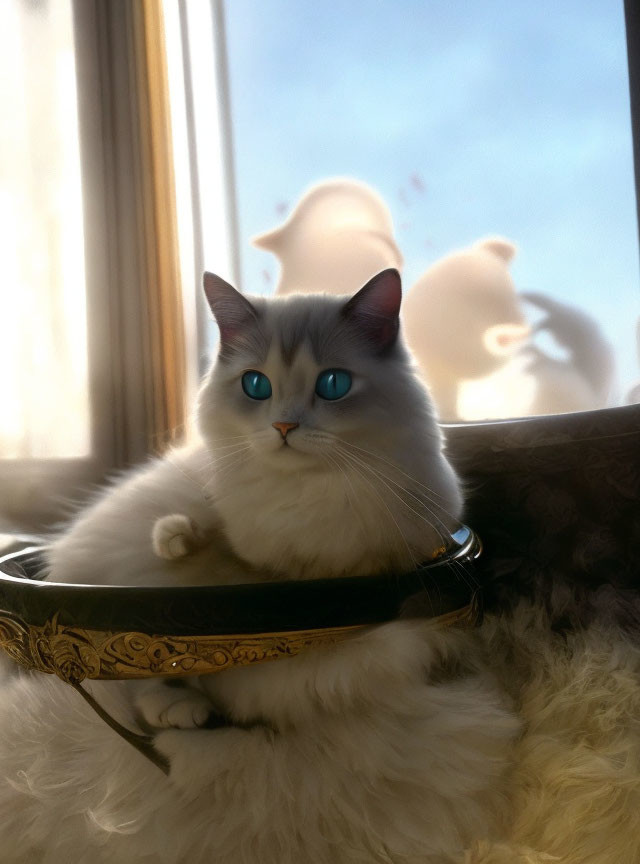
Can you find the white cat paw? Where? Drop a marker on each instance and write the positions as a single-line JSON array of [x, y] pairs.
[[175, 536], [169, 708]]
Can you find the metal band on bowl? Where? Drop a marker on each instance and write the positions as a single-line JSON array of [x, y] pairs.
[[56, 628], [80, 632]]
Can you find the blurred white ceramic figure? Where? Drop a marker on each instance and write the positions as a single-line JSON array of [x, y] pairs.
[[463, 320], [583, 379], [534, 382], [338, 236]]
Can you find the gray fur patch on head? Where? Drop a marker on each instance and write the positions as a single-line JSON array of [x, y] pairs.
[[317, 323], [304, 321]]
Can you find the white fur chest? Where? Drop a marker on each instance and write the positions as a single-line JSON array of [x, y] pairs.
[[307, 524]]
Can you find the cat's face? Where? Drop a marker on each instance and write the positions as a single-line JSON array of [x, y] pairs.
[[299, 380]]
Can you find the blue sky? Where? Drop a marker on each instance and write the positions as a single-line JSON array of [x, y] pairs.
[[514, 115]]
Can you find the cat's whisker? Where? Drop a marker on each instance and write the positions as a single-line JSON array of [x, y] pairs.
[[241, 448], [461, 571], [333, 460], [206, 469], [384, 482], [218, 469], [381, 479], [197, 482], [218, 465], [363, 477], [223, 447], [413, 559], [186, 474], [393, 465], [211, 462], [230, 437], [467, 576], [218, 461], [227, 446], [411, 494], [464, 574], [385, 477], [223, 473], [433, 527], [228, 468]]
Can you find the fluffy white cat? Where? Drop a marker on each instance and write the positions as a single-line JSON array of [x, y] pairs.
[[320, 457]]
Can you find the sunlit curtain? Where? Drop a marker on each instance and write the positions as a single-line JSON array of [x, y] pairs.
[[44, 410], [54, 347]]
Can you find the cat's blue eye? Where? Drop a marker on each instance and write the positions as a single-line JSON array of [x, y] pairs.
[[256, 385], [333, 383]]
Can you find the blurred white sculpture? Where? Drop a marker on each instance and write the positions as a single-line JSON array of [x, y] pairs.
[[534, 382], [338, 236], [583, 379], [463, 320]]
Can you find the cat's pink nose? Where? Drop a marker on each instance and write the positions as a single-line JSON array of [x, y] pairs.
[[283, 428]]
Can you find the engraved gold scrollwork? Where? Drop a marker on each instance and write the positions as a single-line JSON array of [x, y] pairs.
[[66, 652], [74, 653]]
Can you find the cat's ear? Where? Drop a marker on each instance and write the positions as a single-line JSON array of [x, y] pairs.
[[375, 309], [232, 311]]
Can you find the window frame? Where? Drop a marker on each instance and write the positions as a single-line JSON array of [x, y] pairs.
[[214, 241], [118, 261], [33, 488], [632, 28]]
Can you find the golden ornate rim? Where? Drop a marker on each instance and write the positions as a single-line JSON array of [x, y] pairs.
[[74, 653]]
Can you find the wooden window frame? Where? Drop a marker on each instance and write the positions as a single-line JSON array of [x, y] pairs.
[[135, 333]]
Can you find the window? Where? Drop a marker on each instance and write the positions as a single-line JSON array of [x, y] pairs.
[[494, 118], [204, 163], [452, 123], [44, 353], [93, 352]]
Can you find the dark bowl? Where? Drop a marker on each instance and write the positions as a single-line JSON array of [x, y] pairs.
[[114, 632]]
